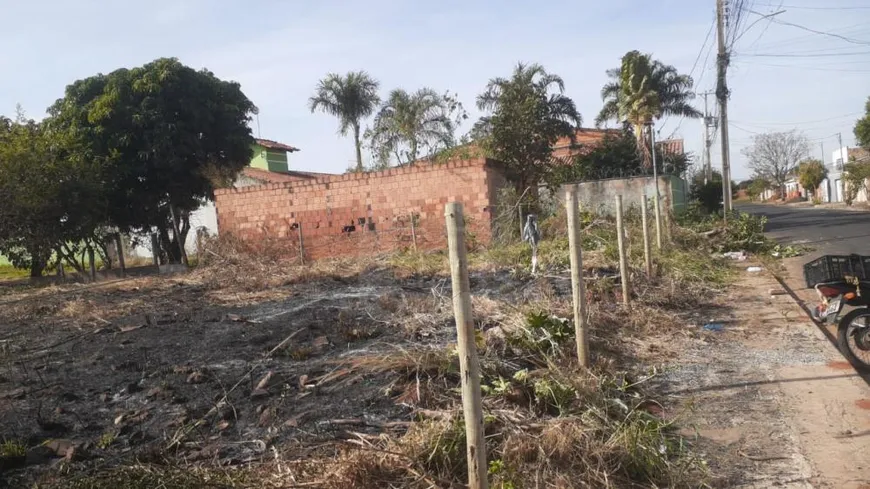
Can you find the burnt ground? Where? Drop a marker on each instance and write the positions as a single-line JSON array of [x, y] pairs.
[[232, 372], [130, 366]]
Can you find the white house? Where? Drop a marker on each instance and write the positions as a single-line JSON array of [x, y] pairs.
[[833, 188], [269, 164]]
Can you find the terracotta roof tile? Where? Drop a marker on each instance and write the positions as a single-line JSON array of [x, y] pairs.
[[268, 143]]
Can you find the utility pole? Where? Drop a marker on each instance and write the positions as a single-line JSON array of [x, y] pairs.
[[822, 144], [722, 96], [709, 122], [843, 157]]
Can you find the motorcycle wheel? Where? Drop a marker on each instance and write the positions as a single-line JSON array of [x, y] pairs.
[[853, 338]]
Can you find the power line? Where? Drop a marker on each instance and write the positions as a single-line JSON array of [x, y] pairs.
[[798, 7], [852, 114], [816, 55], [808, 68], [692, 71], [814, 31]]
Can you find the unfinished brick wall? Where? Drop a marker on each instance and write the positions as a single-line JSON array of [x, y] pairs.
[[359, 214]]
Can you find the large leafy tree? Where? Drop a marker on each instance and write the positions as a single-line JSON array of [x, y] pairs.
[[811, 173], [351, 98], [862, 127], [774, 156], [642, 90], [158, 134], [410, 123], [50, 206], [528, 112]]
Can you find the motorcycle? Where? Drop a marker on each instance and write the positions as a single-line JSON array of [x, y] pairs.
[[840, 282]]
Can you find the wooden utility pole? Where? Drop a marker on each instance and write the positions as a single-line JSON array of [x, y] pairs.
[[578, 287], [469, 367], [623, 260], [647, 259], [722, 96]]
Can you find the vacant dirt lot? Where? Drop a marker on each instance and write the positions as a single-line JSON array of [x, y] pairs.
[[278, 377]]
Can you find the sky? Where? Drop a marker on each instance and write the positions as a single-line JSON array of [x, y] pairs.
[[781, 77]]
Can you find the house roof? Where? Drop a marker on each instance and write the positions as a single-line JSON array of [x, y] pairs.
[[672, 146], [859, 154], [268, 143], [267, 176]]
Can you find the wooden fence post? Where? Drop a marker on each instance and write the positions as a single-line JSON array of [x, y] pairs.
[[647, 259], [623, 261], [469, 367], [578, 287], [119, 244], [658, 210], [301, 247], [414, 231], [520, 213]]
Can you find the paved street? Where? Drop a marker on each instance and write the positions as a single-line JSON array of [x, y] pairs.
[[827, 231]]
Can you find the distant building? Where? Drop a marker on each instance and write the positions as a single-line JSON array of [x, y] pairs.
[[269, 164]]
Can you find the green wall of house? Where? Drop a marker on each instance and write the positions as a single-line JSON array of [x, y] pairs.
[[269, 159]]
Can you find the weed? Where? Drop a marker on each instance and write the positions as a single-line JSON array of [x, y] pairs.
[[299, 353], [106, 440], [551, 394], [12, 448]]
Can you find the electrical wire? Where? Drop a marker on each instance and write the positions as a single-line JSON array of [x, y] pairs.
[[808, 68], [809, 29], [852, 114], [816, 55], [798, 7]]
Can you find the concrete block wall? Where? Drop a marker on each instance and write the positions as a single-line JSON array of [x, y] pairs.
[[360, 214], [600, 195]]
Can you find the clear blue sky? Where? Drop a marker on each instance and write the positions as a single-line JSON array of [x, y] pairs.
[[278, 50]]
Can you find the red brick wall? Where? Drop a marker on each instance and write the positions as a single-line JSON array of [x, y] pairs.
[[385, 199]]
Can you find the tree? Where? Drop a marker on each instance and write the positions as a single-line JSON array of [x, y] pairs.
[[774, 156], [528, 112], [757, 187], [157, 135], [857, 177], [48, 203], [811, 172], [407, 123], [862, 127], [642, 90], [350, 98]]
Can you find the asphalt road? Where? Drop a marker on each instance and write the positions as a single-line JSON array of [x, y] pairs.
[[827, 231]]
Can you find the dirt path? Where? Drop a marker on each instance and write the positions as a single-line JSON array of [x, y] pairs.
[[781, 406]]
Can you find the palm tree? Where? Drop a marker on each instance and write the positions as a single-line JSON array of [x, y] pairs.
[[351, 98], [642, 90], [408, 122], [529, 112]]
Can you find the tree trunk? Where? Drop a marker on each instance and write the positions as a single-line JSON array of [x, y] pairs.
[[37, 266], [413, 152], [356, 142], [645, 155]]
